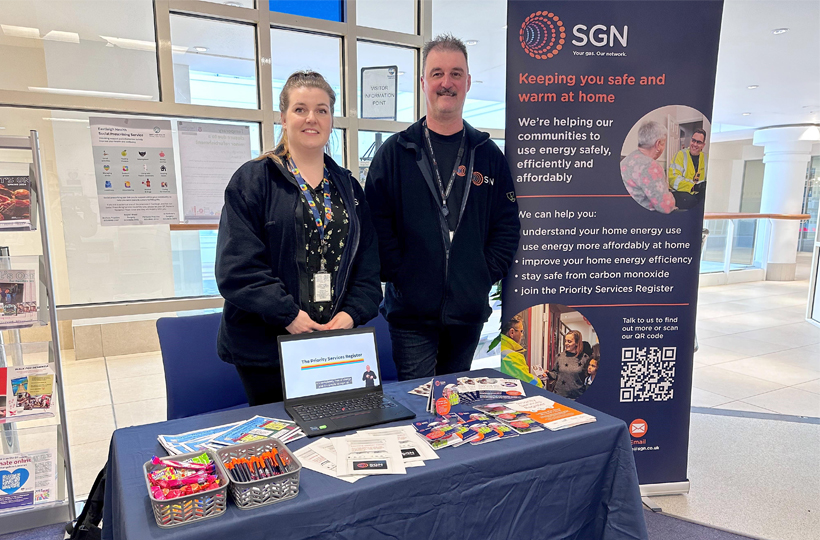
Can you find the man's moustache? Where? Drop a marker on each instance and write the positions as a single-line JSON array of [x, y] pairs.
[[446, 93]]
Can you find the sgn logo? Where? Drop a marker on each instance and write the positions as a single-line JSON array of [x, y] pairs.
[[542, 35]]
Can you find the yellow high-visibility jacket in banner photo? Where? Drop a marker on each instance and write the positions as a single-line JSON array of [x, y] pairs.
[[682, 172], [514, 363]]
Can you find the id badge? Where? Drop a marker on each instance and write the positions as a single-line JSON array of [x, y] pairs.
[[321, 287]]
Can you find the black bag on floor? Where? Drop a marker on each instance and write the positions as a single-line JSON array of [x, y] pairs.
[[87, 526]]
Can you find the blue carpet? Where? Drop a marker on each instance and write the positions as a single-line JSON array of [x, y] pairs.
[[50, 532], [662, 527]]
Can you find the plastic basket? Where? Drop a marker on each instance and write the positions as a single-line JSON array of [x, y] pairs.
[[248, 495], [190, 508]]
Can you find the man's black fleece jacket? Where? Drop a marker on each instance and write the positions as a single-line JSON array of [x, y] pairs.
[[431, 280]]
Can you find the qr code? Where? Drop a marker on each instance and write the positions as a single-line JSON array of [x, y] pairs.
[[647, 373]]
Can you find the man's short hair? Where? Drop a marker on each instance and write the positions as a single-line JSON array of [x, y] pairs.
[[512, 323], [702, 132], [445, 42], [649, 133]]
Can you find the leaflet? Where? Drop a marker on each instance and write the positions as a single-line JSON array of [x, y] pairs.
[[550, 414], [259, 428], [26, 391], [313, 460], [192, 441], [413, 451], [368, 455]]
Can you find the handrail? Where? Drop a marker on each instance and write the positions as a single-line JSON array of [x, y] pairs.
[[194, 226], [747, 215]]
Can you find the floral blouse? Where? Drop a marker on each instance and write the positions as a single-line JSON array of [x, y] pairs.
[[645, 180]]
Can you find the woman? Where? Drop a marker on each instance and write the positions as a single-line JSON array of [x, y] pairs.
[[296, 250], [643, 177], [570, 367]]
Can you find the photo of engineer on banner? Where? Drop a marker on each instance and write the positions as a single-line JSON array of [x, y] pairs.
[[553, 347], [663, 159]]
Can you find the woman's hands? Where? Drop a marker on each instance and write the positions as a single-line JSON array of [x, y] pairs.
[[303, 324], [342, 321]]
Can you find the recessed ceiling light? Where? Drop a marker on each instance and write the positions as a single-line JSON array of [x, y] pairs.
[[778, 31], [401, 73], [78, 120], [90, 93], [58, 35], [753, 86], [747, 114], [479, 82], [200, 49], [234, 4], [471, 42], [20, 31]]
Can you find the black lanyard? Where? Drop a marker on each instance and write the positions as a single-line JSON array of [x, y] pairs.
[[445, 192]]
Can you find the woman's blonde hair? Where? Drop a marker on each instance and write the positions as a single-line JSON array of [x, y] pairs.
[[299, 79]]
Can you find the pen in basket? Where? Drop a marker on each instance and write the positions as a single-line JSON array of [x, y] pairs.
[[260, 467]]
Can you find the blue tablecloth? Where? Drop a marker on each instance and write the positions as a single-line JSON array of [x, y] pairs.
[[578, 483]]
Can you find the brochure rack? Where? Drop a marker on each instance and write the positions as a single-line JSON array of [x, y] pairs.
[[17, 439]]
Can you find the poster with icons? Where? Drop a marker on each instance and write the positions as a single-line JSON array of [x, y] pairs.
[[134, 168]]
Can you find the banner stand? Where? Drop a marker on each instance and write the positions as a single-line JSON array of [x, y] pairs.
[[608, 125]]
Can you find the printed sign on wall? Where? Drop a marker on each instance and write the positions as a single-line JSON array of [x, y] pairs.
[[134, 168]]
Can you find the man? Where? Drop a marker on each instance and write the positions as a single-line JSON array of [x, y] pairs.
[[643, 177], [687, 172], [369, 377], [442, 201], [513, 361]]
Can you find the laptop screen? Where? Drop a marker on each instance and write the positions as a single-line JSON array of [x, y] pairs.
[[326, 362]]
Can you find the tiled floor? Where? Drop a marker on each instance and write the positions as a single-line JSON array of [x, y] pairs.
[[754, 473]]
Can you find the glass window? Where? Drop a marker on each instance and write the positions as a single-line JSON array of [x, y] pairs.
[[93, 263], [79, 48], [329, 10], [487, 55], [336, 143], [214, 63], [752, 190], [400, 17], [374, 55], [369, 143], [293, 51]]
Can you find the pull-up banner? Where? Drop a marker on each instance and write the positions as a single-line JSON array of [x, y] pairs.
[[607, 137]]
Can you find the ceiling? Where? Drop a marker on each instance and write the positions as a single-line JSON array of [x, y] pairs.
[[785, 67]]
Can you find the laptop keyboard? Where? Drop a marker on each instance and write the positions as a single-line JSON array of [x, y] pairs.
[[325, 410]]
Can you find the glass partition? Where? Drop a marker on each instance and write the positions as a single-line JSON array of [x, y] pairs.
[[79, 48], [214, 62]]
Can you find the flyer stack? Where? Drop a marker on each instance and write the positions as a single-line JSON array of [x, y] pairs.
[[257, 428]]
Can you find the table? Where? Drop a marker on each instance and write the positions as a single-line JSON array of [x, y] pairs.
[[578, 483]]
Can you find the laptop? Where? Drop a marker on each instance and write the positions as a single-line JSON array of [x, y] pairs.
[[331, 381]]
